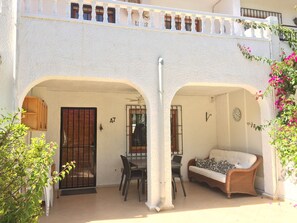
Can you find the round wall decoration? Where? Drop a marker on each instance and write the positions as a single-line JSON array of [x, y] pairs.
[[236, 114]]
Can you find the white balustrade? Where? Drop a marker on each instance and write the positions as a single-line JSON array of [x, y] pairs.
[[146, 17]]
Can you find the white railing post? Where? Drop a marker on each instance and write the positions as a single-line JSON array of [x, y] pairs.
[[262, 35], [140, 18], [173, 28], [68, 7], [252, 30], [55, 6], [40, 6], [151, 19], [105, 13], [129, 20], [27, 6], [183, 25], [80, 10], [117, 20], [193, 25], [212, 25], [203, 21], [222, 26], [162, 15], [231, 27], [94, 10]]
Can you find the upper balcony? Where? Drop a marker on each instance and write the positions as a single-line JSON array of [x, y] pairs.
[[141, 16]]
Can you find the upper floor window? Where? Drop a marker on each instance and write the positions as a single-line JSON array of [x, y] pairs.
[[137, 129]]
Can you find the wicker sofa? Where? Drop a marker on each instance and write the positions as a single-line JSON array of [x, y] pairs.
[[239, 178]]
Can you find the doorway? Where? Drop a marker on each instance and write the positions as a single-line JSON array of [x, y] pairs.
[[78, 143]]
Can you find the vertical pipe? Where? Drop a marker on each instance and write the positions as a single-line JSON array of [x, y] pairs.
[[161, 129]]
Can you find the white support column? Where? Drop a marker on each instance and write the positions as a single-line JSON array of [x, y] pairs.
[[105, 14], [55, 7], [183, 25], [80, 11], [94, 10], [193, 25], [173, 28], [140, 17], [129, 20], [222, 26], [40, 6]]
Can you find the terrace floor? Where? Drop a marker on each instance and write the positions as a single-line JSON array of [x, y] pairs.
[[202, 204]]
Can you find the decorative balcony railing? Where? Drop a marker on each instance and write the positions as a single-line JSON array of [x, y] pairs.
[[261, 14], [139, 16]]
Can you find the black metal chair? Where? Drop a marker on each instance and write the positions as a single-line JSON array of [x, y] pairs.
[[176, 173], [129, 174], [123, 175]]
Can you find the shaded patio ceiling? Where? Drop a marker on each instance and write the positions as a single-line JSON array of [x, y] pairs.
[[114, 87]]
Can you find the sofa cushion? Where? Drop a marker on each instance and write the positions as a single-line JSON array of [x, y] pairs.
[[221, 167], [208, 173], [239, 159]]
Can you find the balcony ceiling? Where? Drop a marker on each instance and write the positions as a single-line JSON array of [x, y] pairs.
[[114, 87]]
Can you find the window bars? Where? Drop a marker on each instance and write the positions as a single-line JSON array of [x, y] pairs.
[[136, 130]]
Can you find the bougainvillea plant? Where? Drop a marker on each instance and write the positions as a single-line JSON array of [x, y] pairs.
[[283, 83]]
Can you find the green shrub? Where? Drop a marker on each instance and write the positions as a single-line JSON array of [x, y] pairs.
[[24, 171]]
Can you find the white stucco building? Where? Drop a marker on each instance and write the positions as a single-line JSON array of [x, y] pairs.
[[80, 60]]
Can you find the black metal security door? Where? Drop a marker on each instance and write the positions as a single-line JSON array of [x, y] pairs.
[[78, 143]]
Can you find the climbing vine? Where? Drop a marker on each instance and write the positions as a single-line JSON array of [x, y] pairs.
[[283, 83]]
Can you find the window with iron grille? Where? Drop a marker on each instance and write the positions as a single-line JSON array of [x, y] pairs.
[[136, 130]]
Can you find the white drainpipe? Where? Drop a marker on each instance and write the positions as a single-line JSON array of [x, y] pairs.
[[160, 204]]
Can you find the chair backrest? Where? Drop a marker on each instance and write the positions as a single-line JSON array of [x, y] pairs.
[[177, 159], [127, 168]]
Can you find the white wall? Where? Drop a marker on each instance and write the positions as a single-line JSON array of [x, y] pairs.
[[199, 136], [285, 7], [198, 5], [223, 121], [239, 136], [111, 141], [7, 47], [231, 7]]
